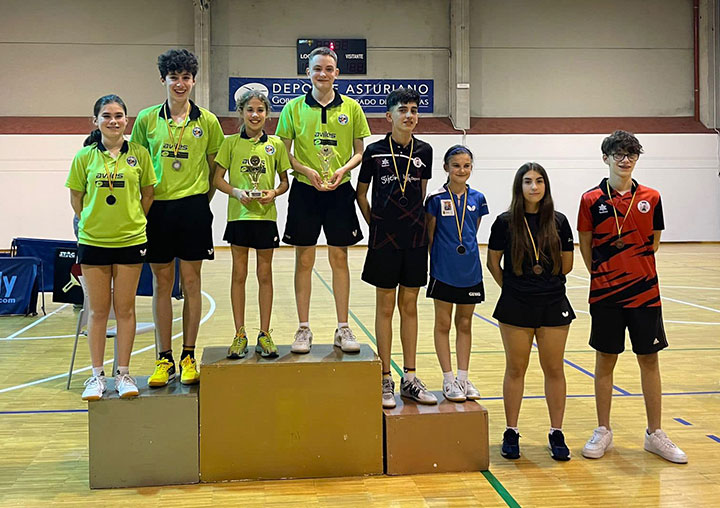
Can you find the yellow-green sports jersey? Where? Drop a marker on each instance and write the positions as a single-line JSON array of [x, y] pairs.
[[234, 155], [312, 126], [111, 218], [202, 137]]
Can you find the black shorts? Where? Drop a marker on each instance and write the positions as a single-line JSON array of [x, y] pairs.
[[102, 256], [645, 324], [515, 310], [386, 268], [180, 228], [446, 293], [255, 234], [310, 209]]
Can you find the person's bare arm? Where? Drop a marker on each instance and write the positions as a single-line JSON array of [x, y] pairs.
[[76, 201], [493, 265], [363, 203], [309, 172], [211, 174], [147, 196], [585, 239], [656, 239]]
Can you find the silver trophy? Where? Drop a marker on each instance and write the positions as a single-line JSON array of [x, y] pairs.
[[326, 155], [254, 169]]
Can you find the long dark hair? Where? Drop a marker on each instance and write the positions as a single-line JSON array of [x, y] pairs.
[[95, 136], [548, 239]]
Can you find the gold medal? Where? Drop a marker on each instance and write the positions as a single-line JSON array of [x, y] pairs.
[[176, 164], [619, 244], [403, 201]]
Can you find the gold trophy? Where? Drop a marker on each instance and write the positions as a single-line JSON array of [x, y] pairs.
[[254, 169], [326, 155]]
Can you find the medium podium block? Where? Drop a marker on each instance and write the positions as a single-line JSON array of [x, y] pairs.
[[448, 437], [148, 440], [296, 416]]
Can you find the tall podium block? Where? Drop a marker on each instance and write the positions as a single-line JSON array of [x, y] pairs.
[[448, 437], [148, 440], [296, 416]]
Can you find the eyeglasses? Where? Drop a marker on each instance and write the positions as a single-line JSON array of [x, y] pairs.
[[632, 157]]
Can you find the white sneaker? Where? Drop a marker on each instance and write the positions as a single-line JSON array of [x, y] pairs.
[[345, 340], [303, 341], [388, 393], [471, 393], [125, 386], [454, 392], [659, 444], [598, 444], [95, 386], [417, 391]]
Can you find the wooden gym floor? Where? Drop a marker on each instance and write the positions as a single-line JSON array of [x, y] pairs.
[[43, 427]]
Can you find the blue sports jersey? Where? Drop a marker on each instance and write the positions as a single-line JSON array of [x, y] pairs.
[[446, 264]]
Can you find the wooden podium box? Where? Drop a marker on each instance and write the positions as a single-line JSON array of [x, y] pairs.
[[448, 437], [296, 416], [148, 440]]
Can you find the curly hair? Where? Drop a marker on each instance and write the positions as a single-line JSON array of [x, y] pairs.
[[621, 140], [177, 60]]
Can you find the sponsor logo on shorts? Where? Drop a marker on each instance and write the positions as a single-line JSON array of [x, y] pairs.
[[275, 239], [565, 313], [343, 119], [143, 252], [643, 206], [602, 208], [197, 131], [210, 251], [354, 233], [132, 161], [474, 293], [417, 161], [656, 341]]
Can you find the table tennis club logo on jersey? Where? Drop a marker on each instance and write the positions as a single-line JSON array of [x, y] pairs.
[[343, 119], [7, 284], [197, 131], [131, 161], [643, 206], [269, 149]]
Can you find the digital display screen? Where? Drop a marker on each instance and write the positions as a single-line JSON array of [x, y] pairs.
[[352, 53]]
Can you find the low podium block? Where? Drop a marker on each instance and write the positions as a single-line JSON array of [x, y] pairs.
[[448, 437], [296, 416], [148, 440]]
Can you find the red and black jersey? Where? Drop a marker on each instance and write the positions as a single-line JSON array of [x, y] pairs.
[[622, 275]]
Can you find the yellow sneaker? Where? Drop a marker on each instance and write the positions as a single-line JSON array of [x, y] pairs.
[[239, 346], [265, 345], [189, 374], [164, 372]]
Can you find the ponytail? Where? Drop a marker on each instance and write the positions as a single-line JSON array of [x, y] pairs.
[[94, 137]]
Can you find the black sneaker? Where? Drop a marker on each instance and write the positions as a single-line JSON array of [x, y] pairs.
[[558, 448], [510, 446]]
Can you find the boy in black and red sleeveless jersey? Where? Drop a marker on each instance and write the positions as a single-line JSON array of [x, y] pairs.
[[619, 225]]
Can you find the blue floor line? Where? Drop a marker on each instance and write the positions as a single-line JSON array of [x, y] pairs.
[[680, 420], [714, 437]]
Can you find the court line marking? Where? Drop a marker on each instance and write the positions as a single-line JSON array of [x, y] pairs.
[[38, 321], [207, 316], [684, 422], [49, 337], [565, 360], [714, 437], [44, 411]]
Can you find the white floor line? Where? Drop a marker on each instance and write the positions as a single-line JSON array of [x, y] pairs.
[[38, 321], [44, 337], [207, 316], [690, 304]]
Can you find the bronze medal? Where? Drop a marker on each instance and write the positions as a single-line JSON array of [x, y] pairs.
[[537, 269], [619, 244]]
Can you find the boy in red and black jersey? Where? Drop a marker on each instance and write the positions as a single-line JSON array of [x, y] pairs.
[[619, 225]]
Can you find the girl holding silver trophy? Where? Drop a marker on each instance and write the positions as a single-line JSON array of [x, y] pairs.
[[254, 161]]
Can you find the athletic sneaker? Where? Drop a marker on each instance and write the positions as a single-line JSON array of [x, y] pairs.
[[265, 345], [599, 443], [510, 445], [471, 393], [345, 340], [659, 444], [239, 347], [454, 392], [417, 391], [388, 393], [303, 341], [125, 386], [189, 374], [95, 386], [164, 373], [556, 445]]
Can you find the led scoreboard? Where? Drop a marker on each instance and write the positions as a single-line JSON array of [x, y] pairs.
[[352, 54]]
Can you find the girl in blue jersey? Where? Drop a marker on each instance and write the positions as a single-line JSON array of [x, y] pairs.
[[453, 213]]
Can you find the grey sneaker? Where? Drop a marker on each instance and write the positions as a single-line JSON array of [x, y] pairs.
[[417, 391], [454, 392], [126, 386], [471, 393], [345, 340], [599, 443], [659, 444], [303, 341], [388, 393], [95, 386]]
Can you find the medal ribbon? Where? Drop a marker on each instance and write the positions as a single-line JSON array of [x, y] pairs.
[[111, 179], [460, 225], [537, 254], [176, 146], [407, 169], [617, 223]]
